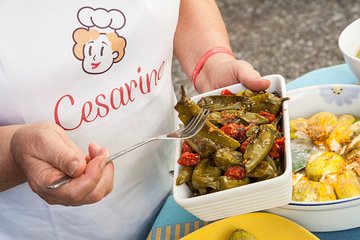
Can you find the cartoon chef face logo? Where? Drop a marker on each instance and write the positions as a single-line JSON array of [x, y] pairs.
[[97, 43]]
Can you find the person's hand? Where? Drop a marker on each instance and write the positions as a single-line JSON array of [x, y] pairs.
[[222, 70], [44, 153]]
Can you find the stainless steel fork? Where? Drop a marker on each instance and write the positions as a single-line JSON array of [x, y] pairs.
[[187, 131]]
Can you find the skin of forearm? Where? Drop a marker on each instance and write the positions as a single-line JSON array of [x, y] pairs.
[[200, 28], [10, 175]]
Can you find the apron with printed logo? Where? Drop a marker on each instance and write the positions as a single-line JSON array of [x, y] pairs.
[[102, 71]]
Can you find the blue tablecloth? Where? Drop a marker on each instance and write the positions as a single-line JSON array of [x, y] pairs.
[[174, 222]]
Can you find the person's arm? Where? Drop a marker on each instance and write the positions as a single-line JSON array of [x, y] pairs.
[[10, 174], [201, 28]]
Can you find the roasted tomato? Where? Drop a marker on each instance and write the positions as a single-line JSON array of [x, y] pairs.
[[278, 148], [235, 172], [268, 115], [234, 130], [226, 92], [186, 148], [189, 159]]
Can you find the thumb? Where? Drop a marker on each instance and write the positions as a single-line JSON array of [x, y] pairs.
[[249, 77], [64, 155], [67, 159], [256, 83]]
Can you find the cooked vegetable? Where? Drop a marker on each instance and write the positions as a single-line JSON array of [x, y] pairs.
[[236, 146], [332, 169], [254, 118], [341, 134], [225, 158], [185, 175], [241, 234], [187, 109], [228, 102], [347, 185], [305, 190], [298, 125], [265, 170], [205, 176], [267, 102], [320, 125], [203, 146], [226, 182], [324, 163], [258, 148]]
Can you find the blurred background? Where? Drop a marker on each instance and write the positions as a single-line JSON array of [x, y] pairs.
[[289, 37]]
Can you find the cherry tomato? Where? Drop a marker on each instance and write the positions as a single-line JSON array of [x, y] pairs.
[[189, 159], [269, 116], [226, 92], [278, 148], [244, 145], [235, 172], [186, 148], [234, 130]]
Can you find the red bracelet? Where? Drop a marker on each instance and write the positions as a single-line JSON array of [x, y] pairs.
[[204, 58]]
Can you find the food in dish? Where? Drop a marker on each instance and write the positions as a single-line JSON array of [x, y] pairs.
[[241, 234], [261, 225], [332, 153], [242, 141]]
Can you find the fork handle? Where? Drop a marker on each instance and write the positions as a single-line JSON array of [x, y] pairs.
[[67, 178], [60, 182], [116, 155]]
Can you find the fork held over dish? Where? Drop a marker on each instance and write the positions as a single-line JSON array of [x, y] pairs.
[[187, 131]]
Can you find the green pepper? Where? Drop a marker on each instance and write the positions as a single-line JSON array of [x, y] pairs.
[[220, 103], [225, 158], [225, 117], [259, 147], [266, 102], [247, 93], [205, 176], [275, 164], [254, 118], [188, 109], [185, 175], [263, 171], [226, 182], [216, 118], [252, 129], [203, 146]]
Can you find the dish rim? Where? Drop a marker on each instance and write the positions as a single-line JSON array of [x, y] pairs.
[[324, 203], [257, 186]]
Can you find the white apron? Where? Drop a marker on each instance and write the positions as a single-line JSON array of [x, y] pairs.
[[102, 71]]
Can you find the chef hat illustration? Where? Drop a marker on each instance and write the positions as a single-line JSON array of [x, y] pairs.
[[105, 21]]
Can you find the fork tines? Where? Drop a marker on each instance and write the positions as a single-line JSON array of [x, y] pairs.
[[193, 127]]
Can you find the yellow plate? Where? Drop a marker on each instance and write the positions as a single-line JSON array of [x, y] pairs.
[[264, 226]]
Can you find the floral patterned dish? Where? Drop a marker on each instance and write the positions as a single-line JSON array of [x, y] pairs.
[[328, 215]]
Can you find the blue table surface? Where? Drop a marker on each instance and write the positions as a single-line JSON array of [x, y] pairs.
[[172, 214]]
